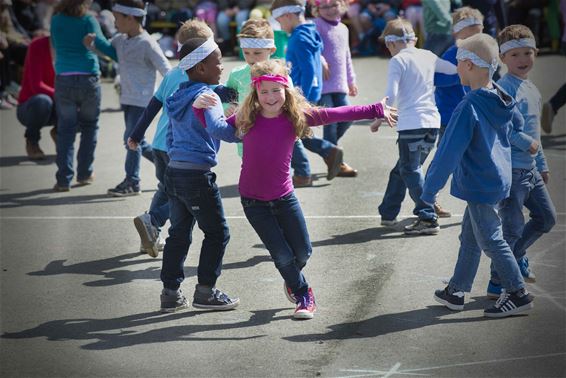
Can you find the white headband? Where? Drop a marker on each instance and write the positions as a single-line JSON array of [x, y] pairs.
[[464, 23], [257, 43], [405, 37], [131, 11], [278, 12], [464, 54], [518, 43], [198, 55]]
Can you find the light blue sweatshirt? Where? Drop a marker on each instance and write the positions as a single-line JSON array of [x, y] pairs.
[[529, 103], [476, 148]]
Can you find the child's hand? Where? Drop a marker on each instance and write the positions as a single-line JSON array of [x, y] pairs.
[[88, 40], [132, 144], [205, 101], [390, 114], [325, 70], [374, 127], [545, 177], [231, 109], [533, 147], [353, 90]]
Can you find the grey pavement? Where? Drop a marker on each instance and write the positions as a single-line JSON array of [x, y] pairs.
[[78, 299]]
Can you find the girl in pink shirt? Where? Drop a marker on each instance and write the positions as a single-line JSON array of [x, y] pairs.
[[269, 121]]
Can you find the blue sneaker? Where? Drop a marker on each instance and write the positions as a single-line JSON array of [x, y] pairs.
[[493, 290], [526, 272]]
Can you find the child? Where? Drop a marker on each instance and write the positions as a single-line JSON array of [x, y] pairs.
[[410, 84], [304, 50], [139, 56], [476, 149], [191, 185], [449, 92], [149, 224], [269, 121], [530, 173], [77, 91], [339, 80]]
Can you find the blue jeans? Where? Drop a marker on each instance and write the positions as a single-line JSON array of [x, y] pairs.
[[223, 22], [335, 131], [482, 230], [159, 208], [194, 198], [438, 43], [281, 226], [527, 189], [36, 112], [77, 102], [133, 158], [414, 147]]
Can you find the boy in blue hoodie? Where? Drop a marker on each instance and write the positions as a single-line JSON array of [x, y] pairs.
[[304, 52], [530, 172], [191, 185], [476, 148]]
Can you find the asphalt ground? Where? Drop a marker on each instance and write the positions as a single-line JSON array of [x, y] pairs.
[[78, 299]]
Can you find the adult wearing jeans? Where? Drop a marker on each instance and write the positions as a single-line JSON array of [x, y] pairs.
[[228, 11], [35, 101], [77, 91]]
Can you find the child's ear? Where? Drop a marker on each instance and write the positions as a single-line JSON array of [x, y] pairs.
[[272, 50]]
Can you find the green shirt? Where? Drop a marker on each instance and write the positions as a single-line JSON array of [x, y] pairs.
[[436, 14], [240, 79]]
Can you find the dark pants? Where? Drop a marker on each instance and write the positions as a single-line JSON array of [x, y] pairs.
[[194, 198], [34, 113], [559, 98]]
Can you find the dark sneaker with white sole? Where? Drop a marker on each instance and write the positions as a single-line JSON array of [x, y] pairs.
[[173, 302], [208, 298], [450, 298], [510, 304], [125, 189], [423, 227]]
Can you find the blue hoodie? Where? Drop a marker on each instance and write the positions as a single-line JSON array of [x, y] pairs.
[[188, 141], [477, 148], [304, 49], [529, 103]]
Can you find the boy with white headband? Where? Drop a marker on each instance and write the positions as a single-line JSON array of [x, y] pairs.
[[410, 84], [476, 150], [530, 172], [139, 57], [191, 185]]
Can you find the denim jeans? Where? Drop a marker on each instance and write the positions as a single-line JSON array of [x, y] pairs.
[[559, 98], [133, 158], [223, 22], [159, 208], [335, 131], [482, 230], [281, 226], [194, 198], [438, 43], [414, 147], [34, 113], [529, 190], [300, 161], [77, 103]]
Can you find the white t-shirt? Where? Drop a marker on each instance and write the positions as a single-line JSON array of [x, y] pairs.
[[410, 87]]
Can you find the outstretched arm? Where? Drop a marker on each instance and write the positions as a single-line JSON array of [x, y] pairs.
[[325, 116], [144, 121]]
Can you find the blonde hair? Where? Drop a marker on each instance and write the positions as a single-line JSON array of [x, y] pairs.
[[398, 26], [483, 45], [194, 28], [466, 12], [294, 107], [514, 32], [256, 28], [283, 3], [315, 4]]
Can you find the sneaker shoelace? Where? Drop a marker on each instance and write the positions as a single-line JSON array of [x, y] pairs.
[[503, 297]]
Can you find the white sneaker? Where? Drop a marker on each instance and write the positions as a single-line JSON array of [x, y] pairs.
[[149, 234], [389, 223], [160, 246]]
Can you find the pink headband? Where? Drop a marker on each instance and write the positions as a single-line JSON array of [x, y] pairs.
[[256, 81]]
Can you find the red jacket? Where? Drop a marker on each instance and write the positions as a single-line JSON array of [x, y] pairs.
[[39, 76]]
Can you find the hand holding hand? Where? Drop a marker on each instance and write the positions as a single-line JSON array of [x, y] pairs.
[[390, 114], [132, 144], [205, 101]]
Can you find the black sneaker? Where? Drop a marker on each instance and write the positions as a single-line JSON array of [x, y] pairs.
[[213, 299], [423, 227], [450, 298], [510, 304], [173, 303], [124, 189]]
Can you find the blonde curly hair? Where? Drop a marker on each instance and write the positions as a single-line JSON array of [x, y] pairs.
[[294, 107]]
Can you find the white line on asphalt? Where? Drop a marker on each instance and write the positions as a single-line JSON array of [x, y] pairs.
[[545, 294], [408, 371]]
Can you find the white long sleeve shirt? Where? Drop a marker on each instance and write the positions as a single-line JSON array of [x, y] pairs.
[[410, 87]]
